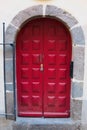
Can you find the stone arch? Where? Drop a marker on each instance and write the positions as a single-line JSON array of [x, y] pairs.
[[53, 11], [78, 41]]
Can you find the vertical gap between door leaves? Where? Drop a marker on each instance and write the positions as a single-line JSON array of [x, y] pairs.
[[43, 69]]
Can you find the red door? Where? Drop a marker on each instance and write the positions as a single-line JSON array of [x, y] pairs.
[[43, 56]]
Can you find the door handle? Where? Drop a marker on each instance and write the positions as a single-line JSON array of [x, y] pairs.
[[41, 67], [41, 58], [71, 69]]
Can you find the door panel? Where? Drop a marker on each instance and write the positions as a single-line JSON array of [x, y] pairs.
[[29, 78], [57, 58], [43, 55]]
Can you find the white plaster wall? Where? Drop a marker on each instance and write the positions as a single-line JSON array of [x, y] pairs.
[[9, 8], [1, 83]]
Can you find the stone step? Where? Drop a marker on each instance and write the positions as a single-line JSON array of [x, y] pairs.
[[45, 124]]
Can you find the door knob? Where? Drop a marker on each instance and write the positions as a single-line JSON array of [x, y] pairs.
[[41, 67]]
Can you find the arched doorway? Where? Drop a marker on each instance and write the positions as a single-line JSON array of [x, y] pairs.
[[43, 56]]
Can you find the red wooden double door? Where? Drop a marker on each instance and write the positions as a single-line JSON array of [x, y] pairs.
[[43, 56]]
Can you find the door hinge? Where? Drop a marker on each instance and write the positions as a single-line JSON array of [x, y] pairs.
[[71, 69]]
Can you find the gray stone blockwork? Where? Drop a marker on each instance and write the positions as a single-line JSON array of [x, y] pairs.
[[19, 20], [9, 87], [78, 58], [9, 52], [9, 70], [27, 14], [76, 109], [10, 105], [77, 37], [67, 18], [11, 34], [77, 90]]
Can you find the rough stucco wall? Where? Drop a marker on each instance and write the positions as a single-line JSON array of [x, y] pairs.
[[8, 11]]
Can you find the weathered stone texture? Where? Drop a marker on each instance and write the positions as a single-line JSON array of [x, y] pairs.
[[61, 14], [11, 32], [84, 127], [26, 14], [8, 51], [78, 36], [77, 90], [78, 58], [55, 124], [9, 70], [9, 87], [19, 19], [10, 105], [76, 109]]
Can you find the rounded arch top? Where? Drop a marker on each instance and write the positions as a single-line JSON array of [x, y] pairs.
[[50, 11]]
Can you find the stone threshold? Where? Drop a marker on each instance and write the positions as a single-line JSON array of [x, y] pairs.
[[46, 124], [43, 120]]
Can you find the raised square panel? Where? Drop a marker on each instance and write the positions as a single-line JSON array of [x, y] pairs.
[[35, 100], [51, 100], [51, 59], [51, 87], [25, 59], [62, 101], [35, 73], [62, 73], [36, 30], [25, 45], [25, 88], [62, 45], [36, 44], [51, 73], [52, 30], [35, 86], [61, 32], [62, 88], [25, 100], [62, 59], [51, 45], [36, 58], [24, 73]]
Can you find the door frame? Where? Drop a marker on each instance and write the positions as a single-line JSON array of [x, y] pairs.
[[67, 51], [75, 31]]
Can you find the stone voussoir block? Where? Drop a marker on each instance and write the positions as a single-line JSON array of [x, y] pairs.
[[24, 15], [19, 19], [61, 14], [10, 34]]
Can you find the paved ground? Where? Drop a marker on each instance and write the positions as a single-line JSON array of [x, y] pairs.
[[5, 124]]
